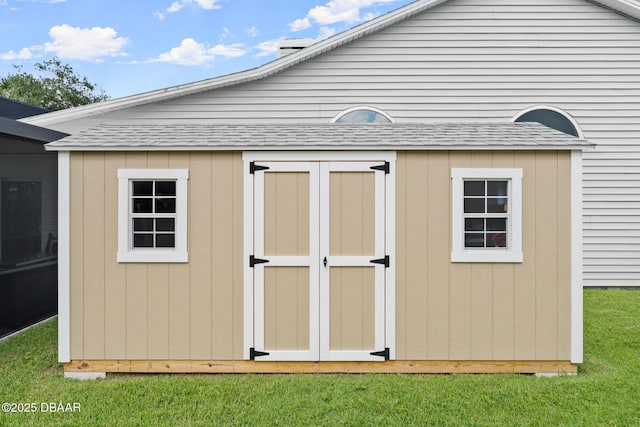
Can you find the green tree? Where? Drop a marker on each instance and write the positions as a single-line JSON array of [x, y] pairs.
[[56, 87]]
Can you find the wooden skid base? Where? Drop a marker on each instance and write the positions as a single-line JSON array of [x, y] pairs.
[[393, 366]]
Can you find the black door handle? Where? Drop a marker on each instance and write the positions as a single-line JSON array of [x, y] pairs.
[[324, 261]]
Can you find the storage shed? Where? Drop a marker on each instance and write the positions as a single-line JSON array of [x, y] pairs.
[[196, 220], [399, 247]]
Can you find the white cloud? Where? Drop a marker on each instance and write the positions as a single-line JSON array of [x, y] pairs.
[[253, 31], [24, 53], [327, 15], [161, 16], [230, 51], [325, 33], [190, 52], [87, 44], [267, 48], [176, 7], [225, 33], [347, 11], [207, 4], [300, 24]]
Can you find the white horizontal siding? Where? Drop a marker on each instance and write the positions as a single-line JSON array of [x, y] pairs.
[[475, 60]]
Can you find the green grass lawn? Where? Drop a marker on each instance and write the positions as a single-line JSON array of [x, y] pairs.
[[606, 391]]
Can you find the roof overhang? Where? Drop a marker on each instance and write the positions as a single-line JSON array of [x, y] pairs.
[[630, 8], [28, 131], [364, 137]]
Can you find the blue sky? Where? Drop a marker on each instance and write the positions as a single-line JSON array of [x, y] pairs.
[[133, 46]]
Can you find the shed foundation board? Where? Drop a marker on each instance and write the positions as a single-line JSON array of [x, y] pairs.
[[392, 366]]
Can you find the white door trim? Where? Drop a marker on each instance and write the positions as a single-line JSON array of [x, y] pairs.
[[389, 241]]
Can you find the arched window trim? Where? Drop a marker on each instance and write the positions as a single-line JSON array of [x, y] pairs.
[[552, 108], [362, 107]]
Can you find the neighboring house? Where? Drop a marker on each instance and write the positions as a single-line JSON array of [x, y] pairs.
[[28, 219], [451, 76]]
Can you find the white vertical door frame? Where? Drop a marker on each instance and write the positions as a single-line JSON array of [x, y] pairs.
[[356, 261], [390, 249], [311, 261], [247, 288]]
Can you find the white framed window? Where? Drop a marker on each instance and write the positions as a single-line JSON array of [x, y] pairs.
[[486, 215], [362, 114], [552, 117], [152, 215]]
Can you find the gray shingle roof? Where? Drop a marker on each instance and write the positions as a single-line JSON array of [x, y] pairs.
[[319, 136]]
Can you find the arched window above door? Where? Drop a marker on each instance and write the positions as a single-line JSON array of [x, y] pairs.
[[552, 117], [362, 114]]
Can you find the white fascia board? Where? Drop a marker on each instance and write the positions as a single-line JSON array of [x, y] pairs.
[[287, 156], [306, 148]]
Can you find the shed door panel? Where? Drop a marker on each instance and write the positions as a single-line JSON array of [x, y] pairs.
[[286, 213], [286, 286], [351, 309], [286, 313], [317, 295], [351, 287]]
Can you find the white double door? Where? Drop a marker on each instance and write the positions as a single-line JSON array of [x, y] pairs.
[[319, 261]]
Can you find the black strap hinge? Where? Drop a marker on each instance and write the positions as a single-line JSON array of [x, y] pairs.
[[253, 353], [253, 261], [384, 261], [384, 353], [384, 168], [253, 168]]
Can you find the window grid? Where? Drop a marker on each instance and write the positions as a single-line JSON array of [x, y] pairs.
[[152, 213], [486, 224]]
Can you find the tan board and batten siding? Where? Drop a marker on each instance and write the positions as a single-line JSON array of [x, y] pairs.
[[157, 311], [445, 311], [475, 60]]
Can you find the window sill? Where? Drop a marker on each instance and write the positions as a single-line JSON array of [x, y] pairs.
[[477, 256], [153, 257]]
